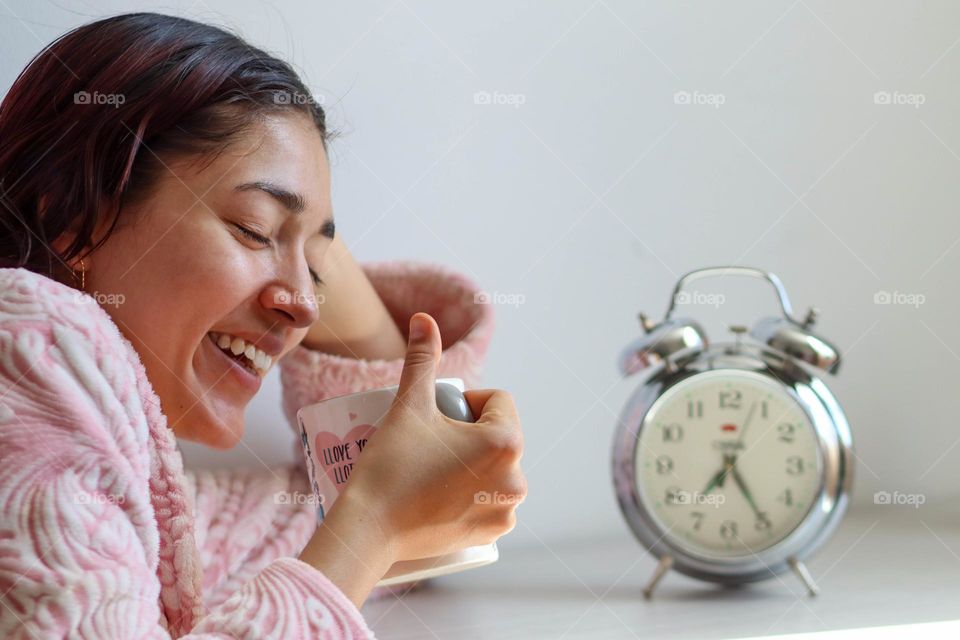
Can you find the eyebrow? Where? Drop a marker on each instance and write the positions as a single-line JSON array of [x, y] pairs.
[[291, 201]]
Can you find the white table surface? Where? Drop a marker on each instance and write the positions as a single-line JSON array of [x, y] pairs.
[[885, 565]]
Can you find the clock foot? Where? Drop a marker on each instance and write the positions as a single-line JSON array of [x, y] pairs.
[[662, 567], [801, 570]]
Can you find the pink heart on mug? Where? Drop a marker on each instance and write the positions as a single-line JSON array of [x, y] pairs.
[[337, 455]]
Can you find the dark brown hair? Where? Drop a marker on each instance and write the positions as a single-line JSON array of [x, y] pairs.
[[88, 124]]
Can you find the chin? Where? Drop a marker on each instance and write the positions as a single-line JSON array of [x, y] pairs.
[[212, 431]]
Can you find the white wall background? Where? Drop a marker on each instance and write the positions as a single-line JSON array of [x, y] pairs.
[[592, 196]]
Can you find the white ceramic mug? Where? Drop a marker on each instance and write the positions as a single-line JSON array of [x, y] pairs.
[[333, 434]]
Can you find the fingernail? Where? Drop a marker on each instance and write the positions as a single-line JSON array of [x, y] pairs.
[[418, 328]]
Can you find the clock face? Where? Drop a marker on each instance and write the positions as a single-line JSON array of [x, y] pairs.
[[727, 463]]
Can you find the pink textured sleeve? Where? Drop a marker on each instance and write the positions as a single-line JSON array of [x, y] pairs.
[[79, 539], [288, 599]]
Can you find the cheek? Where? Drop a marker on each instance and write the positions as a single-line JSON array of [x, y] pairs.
[[177, 287]]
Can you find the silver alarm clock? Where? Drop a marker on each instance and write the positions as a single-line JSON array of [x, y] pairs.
[[732, 461]]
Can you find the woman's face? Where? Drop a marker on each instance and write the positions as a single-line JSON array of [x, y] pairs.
[[222, 253]]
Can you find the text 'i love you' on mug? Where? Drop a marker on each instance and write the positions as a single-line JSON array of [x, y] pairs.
[[333, 434]]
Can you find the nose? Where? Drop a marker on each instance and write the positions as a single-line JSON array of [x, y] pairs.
[[298, 307]]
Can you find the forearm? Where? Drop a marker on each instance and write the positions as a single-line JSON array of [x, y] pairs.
[[353, 321], [350, 549]]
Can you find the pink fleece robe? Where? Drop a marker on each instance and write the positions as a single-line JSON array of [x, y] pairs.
[[104, 535]]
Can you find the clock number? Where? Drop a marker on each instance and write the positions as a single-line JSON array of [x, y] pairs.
[[672, 433], [695, 409], [698, 517], [730, 399], [786, 497], [664, 465], [728, 529], [794, 465], [764, 413], [786, 431]]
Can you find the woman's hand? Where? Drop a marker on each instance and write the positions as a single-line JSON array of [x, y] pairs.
[[436, 484], [425, 484]]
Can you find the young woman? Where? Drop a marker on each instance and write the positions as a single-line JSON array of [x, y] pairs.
[[167, 238]]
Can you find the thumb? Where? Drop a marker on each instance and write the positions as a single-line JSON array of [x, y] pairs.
[[418, 379]]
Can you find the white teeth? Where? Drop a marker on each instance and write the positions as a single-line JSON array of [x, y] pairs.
[[237, 346]]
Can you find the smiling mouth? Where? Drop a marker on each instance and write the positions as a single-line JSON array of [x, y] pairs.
[[245, 353]]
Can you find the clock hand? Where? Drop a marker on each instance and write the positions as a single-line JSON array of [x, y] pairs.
[[746, 423], [714, 482], [736, 473], [761, 515], [728, 461], [746, 492], [720, 476]]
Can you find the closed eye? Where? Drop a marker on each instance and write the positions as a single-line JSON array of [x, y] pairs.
[[256, 237], [264, 241]]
